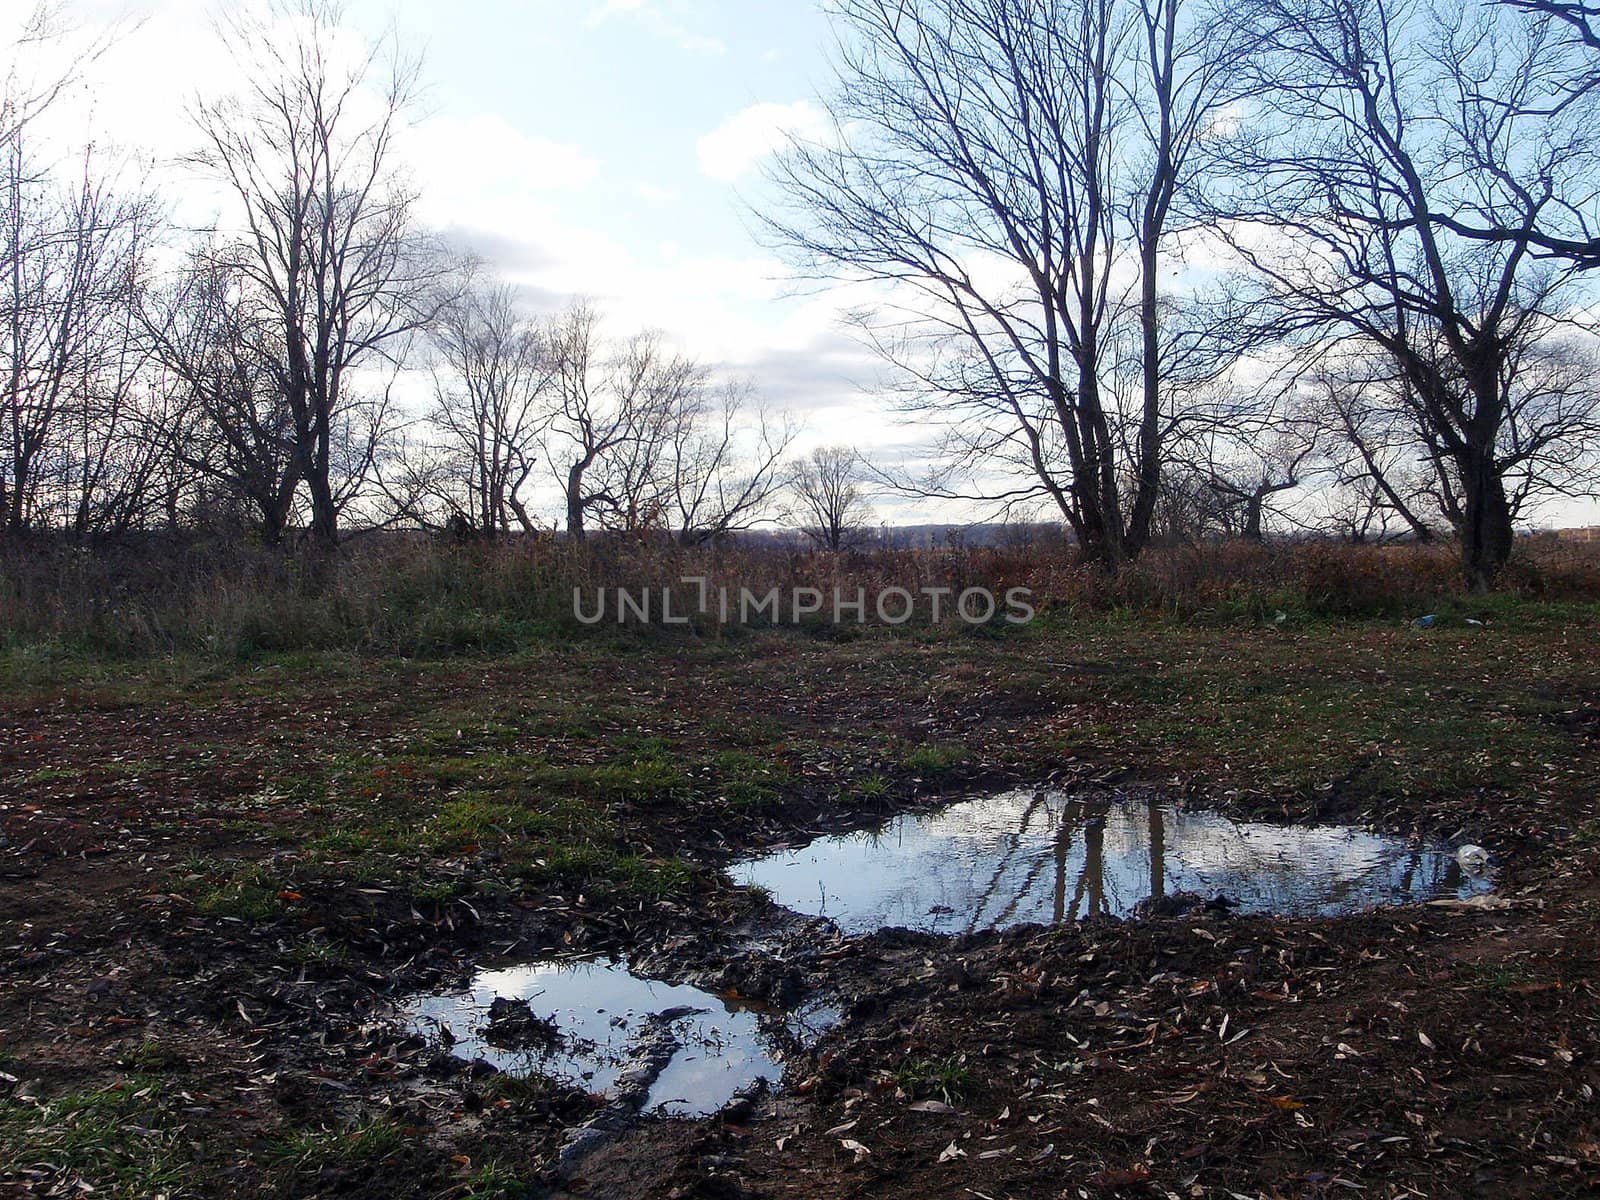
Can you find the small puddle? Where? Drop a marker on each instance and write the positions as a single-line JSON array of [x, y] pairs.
[[1046, 857], [595, 1025]]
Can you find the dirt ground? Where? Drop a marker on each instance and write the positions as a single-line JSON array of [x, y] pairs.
[[215, 883]]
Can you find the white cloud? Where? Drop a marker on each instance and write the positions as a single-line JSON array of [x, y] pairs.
[[664, 18], [654, 195], [482, 169], [735, 147]]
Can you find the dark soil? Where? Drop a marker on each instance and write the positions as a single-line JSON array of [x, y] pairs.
[[195, 1000]]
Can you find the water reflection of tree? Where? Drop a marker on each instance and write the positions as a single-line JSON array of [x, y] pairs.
[[1070, 858], [1018, 843], [1088, 890]]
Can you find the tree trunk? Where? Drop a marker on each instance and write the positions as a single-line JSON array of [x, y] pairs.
[[324, 513], [276, 504], [272, 528], [1486, 532], [494, 511], [1252, 515], [1102, 506], [520, 510], [1099, 532], [319, 481], [575, 529], [1148, 487]]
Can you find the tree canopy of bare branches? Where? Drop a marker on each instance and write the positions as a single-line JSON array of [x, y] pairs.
[[219, 356], [491, 387], [1008, 173], [830, 506], [641, 439], [71, 254], [1572, 228], [1371, 122], [325, 238], [608, 399], [722, 460]]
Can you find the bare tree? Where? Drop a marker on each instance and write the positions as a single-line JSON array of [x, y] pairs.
[[25, 94], [1010, 169], [1570, 228], [1582, 17], [1371, 448], [1247, 491], [219, 354], [71, 254], [1381, 437], [113, 472], [1230, 469], [492, 385], [1372, 120], [721, 461], [326, 239], [829, 504], [611, 404]]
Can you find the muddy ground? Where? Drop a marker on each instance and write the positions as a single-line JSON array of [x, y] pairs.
[[216, 881]]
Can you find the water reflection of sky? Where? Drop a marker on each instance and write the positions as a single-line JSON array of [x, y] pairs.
[[602, 1010], [1043, 856]]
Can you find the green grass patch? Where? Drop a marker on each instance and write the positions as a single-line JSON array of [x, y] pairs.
[[494, 1181], [117, 1141], [606, 874], [870, 787], [935, 759], [944, 1079], [482, 820], [363, 1147], [1498, 977], [748, 780], [520, 1089], [241, 894], [151, 1057]]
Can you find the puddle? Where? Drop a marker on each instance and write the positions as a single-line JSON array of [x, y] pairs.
[[604, 1022], [678, 1050], [1047, 857]]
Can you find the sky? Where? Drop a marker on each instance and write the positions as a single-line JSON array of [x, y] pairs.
[[610, 149], [597, 148]]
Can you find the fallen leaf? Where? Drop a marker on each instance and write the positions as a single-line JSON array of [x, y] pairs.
[[1472, 903], [1112, 1179]]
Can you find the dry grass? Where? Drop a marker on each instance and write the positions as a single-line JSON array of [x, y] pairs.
[[413, 595]]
